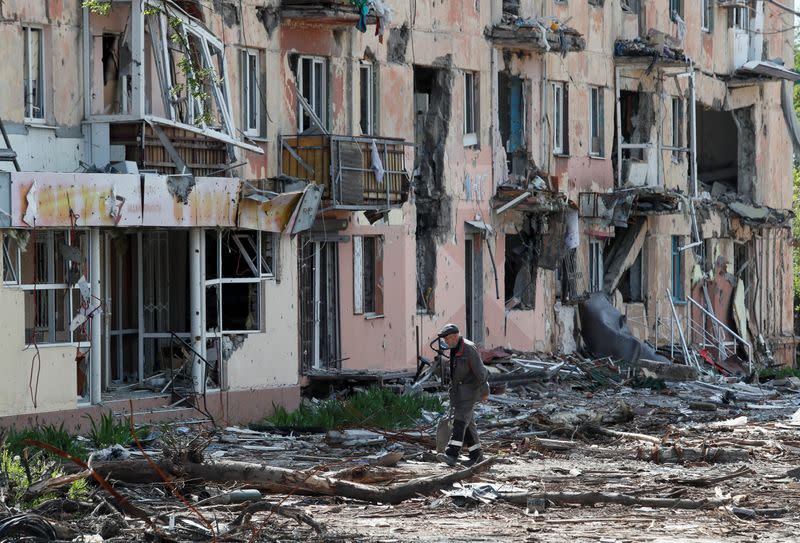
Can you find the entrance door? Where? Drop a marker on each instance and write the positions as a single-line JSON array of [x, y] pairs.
[[473, 279], [319, 305]]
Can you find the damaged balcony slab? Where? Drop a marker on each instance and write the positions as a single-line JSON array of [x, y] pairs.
[[323, 12], [530, 201], [539, 35]]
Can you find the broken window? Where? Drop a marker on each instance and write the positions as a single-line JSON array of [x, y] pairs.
[[560, 131], [595, 265], [677, 128], [741, 267], [632, 281], [678, 291], [470, 109], [726, 151], [596, 120], [740, 17], [367, 105], [511, 111], [520, 290], [50, 271], [706, 15], [11, 254], [566, 278], [368, 275], [511, 7], [630, 6], [33, 75], [235, 265], [312, 82], [676, 9], [251, 95]]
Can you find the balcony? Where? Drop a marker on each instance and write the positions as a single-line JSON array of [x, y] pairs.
[[343, 166], [330, 12]]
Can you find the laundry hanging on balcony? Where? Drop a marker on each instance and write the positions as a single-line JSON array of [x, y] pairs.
[[383, 13]]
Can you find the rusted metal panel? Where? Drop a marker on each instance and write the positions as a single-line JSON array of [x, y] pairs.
[[213, 201], [95, 199], [271, 216]]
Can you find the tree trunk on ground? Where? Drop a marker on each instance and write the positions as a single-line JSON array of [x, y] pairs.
[[282, 480]]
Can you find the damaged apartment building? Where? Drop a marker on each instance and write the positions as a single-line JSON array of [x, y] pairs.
[[208, 205]]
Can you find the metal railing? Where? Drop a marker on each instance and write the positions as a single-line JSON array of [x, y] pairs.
[[344, 166], [725, 347]]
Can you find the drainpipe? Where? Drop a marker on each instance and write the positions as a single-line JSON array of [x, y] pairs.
[[95, 353], [196, 308]]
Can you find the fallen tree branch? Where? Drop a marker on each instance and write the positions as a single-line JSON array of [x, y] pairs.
[[283, 510], [593, 498], [627, 435], [275, 479], [711, 481]]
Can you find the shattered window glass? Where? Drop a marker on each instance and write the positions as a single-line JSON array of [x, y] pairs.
[[50, 270], [10, 260]]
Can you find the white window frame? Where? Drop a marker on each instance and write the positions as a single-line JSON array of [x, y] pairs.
[[251, 96], [318, 108], [261, 271], [741, 18], [367, 69], [30, 115], [52, 288], [359, 285], [470, 109], [11, 260], [558, 118], [595, 265], [595, 122], [706, 14]]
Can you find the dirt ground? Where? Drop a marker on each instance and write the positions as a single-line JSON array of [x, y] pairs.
[[731, 450]]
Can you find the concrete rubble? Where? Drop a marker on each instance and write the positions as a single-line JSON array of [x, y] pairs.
[[574, 445]]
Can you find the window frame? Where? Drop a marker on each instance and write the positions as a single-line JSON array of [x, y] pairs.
[[320, 109], [676, 7], [740, 18], [52, 288], [258, 277], [633, 7], [371, 95], [471, 108], [706, 15], [596, 115], [251, 96], [370, 290], [28, 104], [560, 132], [596, 265], [677, 264]]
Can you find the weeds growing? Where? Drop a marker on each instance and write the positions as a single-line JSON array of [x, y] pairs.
[[56, 436], [375, 408], [110, 431]]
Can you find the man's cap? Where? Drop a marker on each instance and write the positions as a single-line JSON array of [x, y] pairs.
[[448, 329]]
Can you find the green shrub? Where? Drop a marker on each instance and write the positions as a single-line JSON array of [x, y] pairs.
[[375, 408]]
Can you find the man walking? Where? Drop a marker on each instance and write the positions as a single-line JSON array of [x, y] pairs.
[[468, 384]]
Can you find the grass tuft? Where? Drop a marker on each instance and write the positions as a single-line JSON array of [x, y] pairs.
[[110, 431], [53, 435], [375, 408]]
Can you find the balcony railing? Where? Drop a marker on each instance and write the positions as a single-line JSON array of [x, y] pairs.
[[343, 165]]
